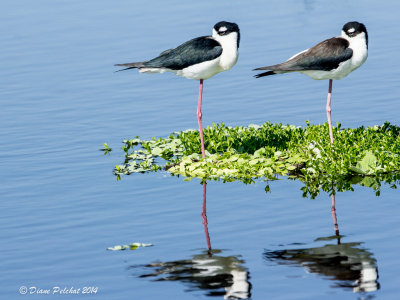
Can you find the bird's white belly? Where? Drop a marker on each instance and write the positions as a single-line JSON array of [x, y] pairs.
[[344, 69], [202, 70], [320, 75]]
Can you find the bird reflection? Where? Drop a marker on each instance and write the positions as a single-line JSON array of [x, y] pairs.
[[208, 271], [349, 265]]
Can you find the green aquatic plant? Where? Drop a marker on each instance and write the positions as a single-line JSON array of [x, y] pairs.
[[365, 155], [106, 149]]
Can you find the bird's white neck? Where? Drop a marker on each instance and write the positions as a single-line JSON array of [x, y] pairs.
[[359, 46], [230, 53]]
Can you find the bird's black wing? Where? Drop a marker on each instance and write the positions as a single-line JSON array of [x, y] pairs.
[[324, 56], [190, 53]]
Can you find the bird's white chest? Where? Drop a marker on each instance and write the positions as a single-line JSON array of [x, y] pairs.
[[360, 51], [230, 52], [360, 54]]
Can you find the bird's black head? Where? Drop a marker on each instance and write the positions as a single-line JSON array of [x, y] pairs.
[[225, 28], [352, 29]]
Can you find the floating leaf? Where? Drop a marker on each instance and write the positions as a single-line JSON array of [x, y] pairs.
[[132, 246], [106, 149]]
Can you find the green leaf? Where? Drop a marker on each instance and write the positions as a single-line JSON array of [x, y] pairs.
[[156, 151], [366, 165], [357, 170]]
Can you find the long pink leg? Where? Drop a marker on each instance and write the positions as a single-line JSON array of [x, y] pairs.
[[328, 110], [203, 152], [204, 216]]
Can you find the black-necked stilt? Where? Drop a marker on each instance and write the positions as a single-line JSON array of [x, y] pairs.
[[199, 58], [331, 59]]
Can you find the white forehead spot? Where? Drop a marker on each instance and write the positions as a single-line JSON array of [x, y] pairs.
[[351, 30], [222, 29]]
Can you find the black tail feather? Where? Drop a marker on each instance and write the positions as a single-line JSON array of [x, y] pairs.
[[126, 69], [265, 74], [130, 66]]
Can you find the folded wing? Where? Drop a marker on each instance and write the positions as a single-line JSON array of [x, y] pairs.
[[190, 53], [324, 56]]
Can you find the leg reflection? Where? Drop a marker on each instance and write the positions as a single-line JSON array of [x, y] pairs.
[[334, 217], [204, 216]]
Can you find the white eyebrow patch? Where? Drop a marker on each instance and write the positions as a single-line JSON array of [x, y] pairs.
[[222, 29], [351, 30]]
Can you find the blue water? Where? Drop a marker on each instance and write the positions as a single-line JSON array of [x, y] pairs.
[[61, 206]]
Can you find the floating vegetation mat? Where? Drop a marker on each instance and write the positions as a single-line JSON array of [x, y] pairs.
[[365, 155]]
